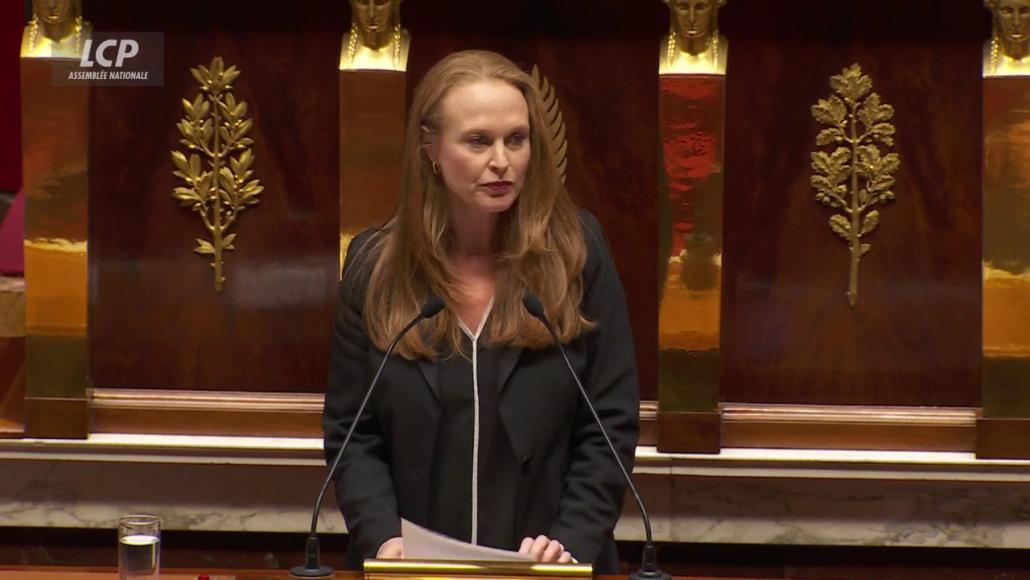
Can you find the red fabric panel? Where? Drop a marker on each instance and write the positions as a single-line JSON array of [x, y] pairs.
[[12, 234], [12, 20]]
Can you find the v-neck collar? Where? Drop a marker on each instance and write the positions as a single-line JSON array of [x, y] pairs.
[[474, 336]]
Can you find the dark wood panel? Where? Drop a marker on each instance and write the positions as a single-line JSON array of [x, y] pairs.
[[689, 432], [849, 427], [1002, 438], [788, 333], [155, 320], [57, 418], [602, 59], [648, 423], [12, 386], [372, 114], [155, 323], [821, 427], [182, 412], [605, 89], [204, 413]]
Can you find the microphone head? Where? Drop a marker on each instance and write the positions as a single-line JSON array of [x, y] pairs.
[[432, 307], [534, 306]]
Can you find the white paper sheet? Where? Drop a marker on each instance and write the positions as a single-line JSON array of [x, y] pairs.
[[423, 544]]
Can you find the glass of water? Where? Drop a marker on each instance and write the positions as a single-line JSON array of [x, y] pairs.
[[139, 547]]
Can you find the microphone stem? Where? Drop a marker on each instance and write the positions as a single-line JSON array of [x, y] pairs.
[[354, 423], [597, 419], [312, 568], [649, 565]]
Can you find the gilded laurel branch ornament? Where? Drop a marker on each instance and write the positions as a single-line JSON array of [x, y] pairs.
[[218, 159], [555, 121], [856, 176]]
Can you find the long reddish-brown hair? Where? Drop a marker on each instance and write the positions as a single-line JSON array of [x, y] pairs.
[[541, 244]]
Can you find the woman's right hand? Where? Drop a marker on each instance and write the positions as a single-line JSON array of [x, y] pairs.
[[392, 549], [544, 549]]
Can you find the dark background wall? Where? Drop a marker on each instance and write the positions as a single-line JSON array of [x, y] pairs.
[[787, 330], [12, 20], [788, 334], [154, 321]]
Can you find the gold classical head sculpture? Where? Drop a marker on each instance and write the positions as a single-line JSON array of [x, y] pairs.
[[376, 39], [1009, 49], [693, 44], [56, 29], [375, 20], [1012, 26]]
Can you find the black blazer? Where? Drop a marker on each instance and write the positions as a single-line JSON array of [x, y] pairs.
[[569, 488]]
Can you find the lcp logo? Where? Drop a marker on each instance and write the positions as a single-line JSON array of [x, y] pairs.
[[115, 58], [127, 48]]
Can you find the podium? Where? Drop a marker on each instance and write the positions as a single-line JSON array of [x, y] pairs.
[[471, 570]]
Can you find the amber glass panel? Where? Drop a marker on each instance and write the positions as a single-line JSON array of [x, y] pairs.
[[692, 110], [1006, 249]]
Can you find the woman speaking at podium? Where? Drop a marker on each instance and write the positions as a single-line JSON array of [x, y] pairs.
[[476, 428]]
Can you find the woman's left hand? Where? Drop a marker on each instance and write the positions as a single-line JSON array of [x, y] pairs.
[[544, 549]]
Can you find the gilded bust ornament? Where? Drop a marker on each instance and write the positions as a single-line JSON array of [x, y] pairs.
[[56, 30], [693, 45], [376, 40], [1008, 52]]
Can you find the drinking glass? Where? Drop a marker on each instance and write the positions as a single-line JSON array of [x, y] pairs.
[[139, 547]]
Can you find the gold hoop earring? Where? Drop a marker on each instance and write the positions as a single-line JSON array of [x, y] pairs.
[[436, 168]]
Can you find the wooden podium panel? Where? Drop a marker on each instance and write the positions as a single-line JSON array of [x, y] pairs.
[[786, 332], [789, 334], [155, 320], [160, 333]]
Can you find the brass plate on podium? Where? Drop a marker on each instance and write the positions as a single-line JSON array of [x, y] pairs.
[[691, 110], [54, 165], [372, 109], [435, 569], [1006, 261]]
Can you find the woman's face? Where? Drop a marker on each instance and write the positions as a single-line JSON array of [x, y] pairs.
[[482, 146]]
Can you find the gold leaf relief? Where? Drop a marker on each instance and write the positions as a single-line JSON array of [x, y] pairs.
[[217, 170], [858, 174], [555, 121]]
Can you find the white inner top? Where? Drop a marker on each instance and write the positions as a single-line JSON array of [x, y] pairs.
[[474, 337]]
